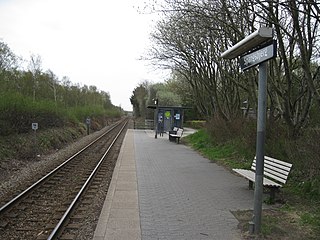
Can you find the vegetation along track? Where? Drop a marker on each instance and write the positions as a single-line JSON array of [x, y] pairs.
[[59, 205]]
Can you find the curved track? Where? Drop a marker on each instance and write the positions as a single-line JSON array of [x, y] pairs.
[[52, 208]]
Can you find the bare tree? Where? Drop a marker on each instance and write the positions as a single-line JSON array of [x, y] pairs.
[[190, 41], [294, 73], [8, 60], [53, 83], [35, 68], [192, 35]]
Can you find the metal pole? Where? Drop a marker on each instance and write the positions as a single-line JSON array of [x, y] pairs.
[[261, 129], [156, 123], [88, 129], [156, 119], [35, 146]]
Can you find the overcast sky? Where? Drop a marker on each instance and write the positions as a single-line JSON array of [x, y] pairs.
[[96, 42]]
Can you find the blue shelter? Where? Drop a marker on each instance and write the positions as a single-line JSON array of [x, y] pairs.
[[168, 117]]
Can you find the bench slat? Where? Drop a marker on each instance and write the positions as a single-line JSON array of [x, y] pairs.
[[250, 175], [289, 165], [275, 164], [274, 170], [275, 177], [178, 134], [284, 171], [273, 173]]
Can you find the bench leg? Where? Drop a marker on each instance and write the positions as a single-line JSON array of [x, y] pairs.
[[178, 140], [250, 185], [272, 193]]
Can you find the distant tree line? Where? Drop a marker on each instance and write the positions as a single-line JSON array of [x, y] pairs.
[[30, 93], [191, 36], [168, 93]]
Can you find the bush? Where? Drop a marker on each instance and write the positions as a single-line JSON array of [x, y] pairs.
[[304, 153], [239, 132], [195, 124], [19, 112]]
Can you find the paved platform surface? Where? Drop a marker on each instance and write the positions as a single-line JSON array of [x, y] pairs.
[[164, 190], [119, 218]]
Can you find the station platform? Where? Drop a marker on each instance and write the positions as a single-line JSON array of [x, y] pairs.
[[164, 190]]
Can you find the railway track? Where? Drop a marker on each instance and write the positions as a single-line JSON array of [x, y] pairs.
[[60, 204]]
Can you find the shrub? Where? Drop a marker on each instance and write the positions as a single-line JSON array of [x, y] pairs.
[[18, 112], [195, 124]]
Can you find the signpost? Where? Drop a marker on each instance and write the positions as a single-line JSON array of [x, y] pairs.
[[34, 127], [88, 123], [252, 57], [258, 56], [156, 103]]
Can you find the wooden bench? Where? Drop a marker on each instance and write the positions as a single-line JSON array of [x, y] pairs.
[[274, 176], [175, 134]]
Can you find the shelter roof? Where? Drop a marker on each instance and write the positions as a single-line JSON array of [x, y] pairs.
[[167, 107]]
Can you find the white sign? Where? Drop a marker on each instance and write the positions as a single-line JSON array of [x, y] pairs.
[[258, 56], [34, 126]]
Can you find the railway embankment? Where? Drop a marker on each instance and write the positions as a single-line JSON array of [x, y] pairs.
[[22, 156]]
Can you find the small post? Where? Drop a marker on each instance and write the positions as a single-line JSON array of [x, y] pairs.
[[156, 101], [35, 127], [88, 123], [251, 227]]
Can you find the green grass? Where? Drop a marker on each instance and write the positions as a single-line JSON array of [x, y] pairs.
[[269, 224], [230, 154], [310, 218]]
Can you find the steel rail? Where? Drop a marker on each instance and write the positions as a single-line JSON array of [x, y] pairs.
[[5, 206], [75, 200]]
